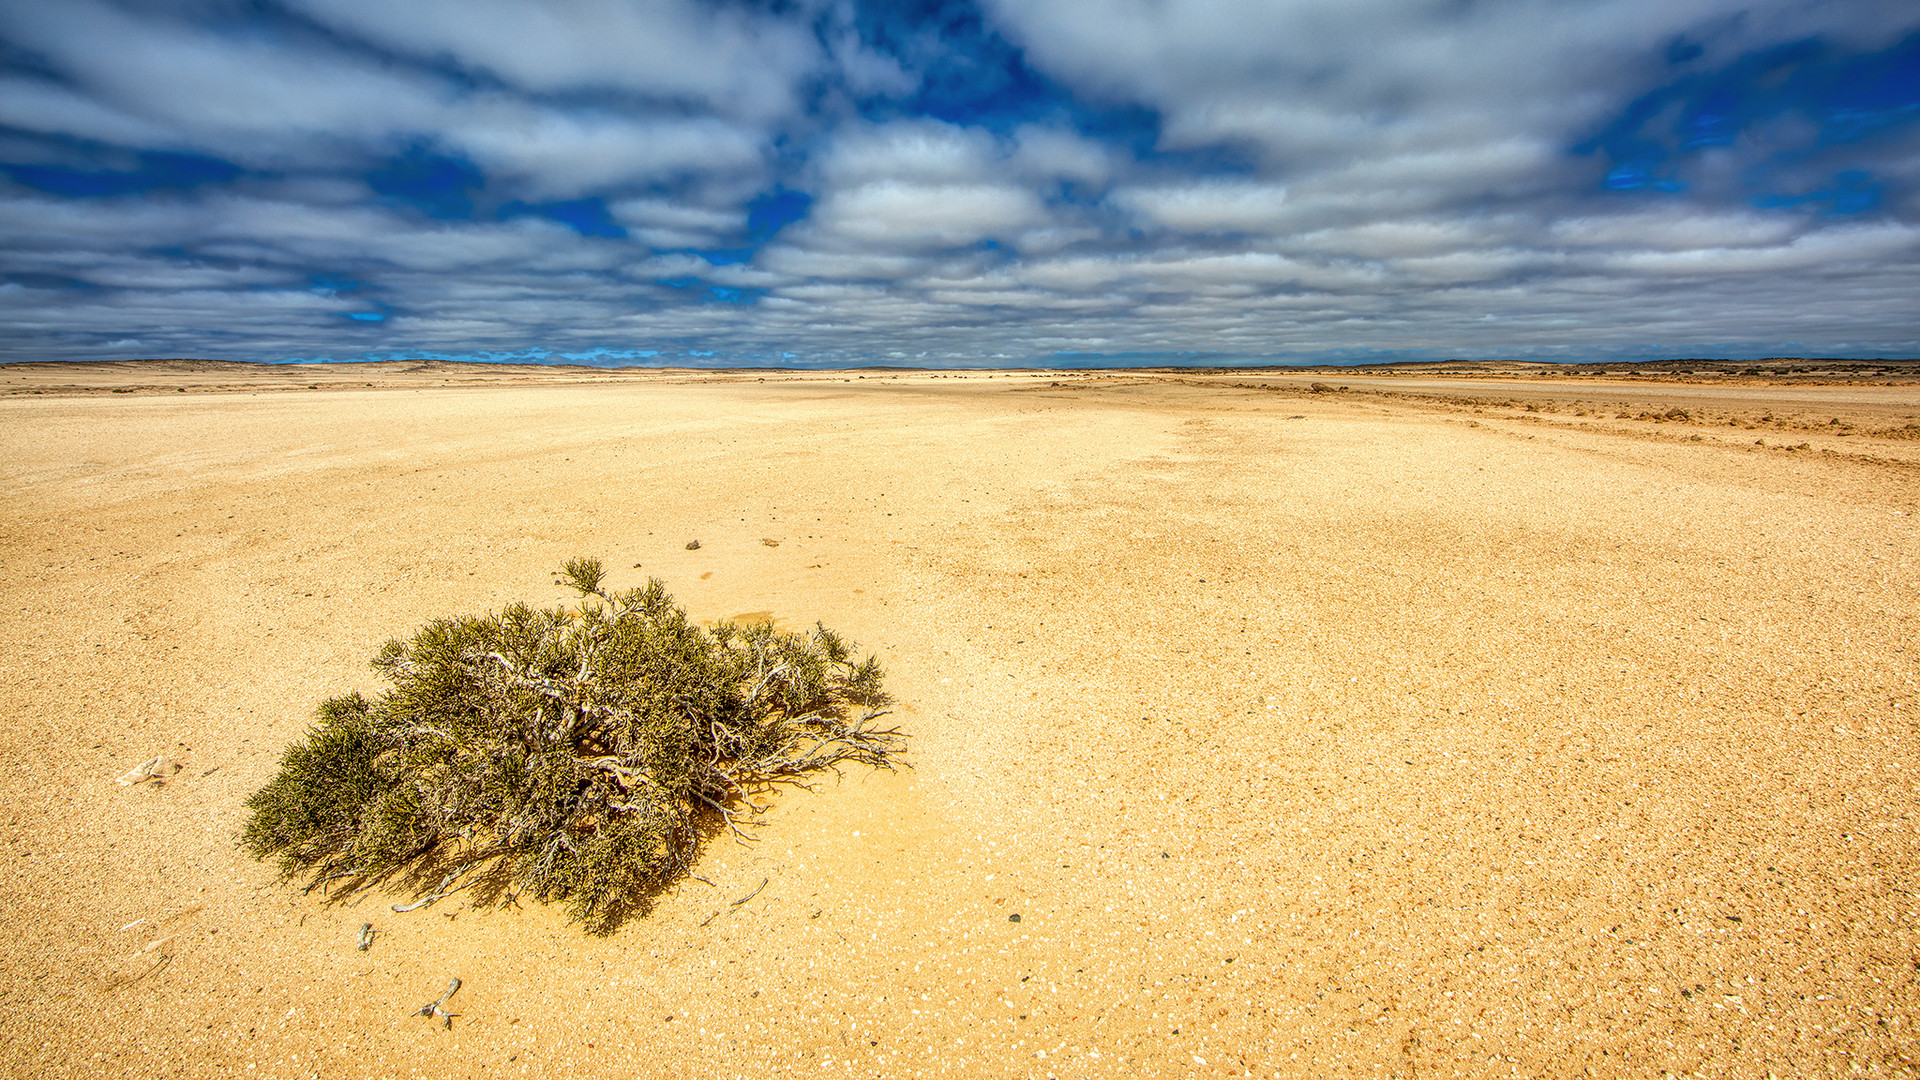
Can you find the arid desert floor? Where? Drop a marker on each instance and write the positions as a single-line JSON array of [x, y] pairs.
[[1525, 724]]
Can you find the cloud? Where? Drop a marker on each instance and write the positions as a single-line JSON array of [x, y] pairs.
[[1831, 250], [726, 57], [30, 104], [1049, 153], [829, 265], [909, 150], [1210, 205], [1675, 228], [900, 214], [958, 181], [558, 154], [663, 223], [248, 98], [281, 102]]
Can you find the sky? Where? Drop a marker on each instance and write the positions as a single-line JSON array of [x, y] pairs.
[[967, 183]]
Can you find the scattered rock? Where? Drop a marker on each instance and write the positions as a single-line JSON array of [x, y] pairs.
[[693, 545], [154, 769], [769, 542], [1015, 917]]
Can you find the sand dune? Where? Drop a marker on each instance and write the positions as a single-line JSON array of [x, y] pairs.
[[1526, 729]]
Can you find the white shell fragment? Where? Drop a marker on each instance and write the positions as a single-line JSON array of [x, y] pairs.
[[155, 769]]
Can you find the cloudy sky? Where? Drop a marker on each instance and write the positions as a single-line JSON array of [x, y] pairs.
[[964, 182]]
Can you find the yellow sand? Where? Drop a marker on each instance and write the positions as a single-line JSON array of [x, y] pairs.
[[1374, 733]]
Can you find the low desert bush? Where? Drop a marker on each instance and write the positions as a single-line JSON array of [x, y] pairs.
[[577, 754]]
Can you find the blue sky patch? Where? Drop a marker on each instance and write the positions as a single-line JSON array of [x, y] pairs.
[[968, 73], [1851, 192], [1872, 93], [158, 171], [768, 214], [588, 217], [332, 285], [724, 256], [1658, 136], [439, 186]]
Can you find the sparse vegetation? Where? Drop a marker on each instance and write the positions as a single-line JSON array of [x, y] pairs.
[[577, 754]]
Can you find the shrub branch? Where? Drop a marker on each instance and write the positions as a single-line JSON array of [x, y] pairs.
[[578, 754]]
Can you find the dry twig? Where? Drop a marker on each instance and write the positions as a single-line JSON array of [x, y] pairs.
[[438, 1007]]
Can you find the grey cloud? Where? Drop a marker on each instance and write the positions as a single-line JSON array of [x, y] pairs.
[[1330, 177], [910, 150], [865, 70], [1381, 60], [1042, 153], [1675, 229], [1052, 239], [895, 214], [563, 155], [1411, 237], [279, 104], [660, 213], [728, 57], [841, 265], [36, 105], [257, 100], [1230, 205], [1358, 92], [293, 240], [1858, 247]]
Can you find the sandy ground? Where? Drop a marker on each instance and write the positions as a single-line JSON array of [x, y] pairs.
[[1362, 733]]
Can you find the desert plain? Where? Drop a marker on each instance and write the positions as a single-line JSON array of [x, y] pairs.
[[1475, 721]]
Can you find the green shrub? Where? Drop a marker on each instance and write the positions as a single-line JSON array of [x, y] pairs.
[[576, 754]]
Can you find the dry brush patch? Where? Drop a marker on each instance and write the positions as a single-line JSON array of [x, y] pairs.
[[578, 754]]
